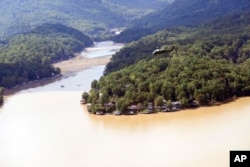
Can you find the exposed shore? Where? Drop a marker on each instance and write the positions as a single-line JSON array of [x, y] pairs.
[[68, 68], [79, 63]]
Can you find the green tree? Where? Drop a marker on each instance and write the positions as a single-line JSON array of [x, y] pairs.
[[85, 95], [94, 84], [122, 105], [169, 104], [159, 101]]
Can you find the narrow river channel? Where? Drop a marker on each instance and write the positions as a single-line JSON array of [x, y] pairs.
[[47, 127]]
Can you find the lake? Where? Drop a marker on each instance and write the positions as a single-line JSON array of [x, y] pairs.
[[47, 127]]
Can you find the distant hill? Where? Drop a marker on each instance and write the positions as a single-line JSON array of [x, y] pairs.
[[192, 12], [185, 13], [89, 16], [61, 30]]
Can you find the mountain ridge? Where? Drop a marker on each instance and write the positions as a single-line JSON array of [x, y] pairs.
[[89, 16], [182, 10], [219, 28], [188, 13]]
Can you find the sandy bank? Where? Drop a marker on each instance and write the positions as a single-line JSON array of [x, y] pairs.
[[80, 63]]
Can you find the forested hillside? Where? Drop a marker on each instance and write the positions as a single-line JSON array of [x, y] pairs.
[[227, 38], [93, 17], [189, 13], [27, 57], [210, 64]]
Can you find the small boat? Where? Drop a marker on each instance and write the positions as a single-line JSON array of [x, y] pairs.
[[117, 113], [130, 113], [99, 113]]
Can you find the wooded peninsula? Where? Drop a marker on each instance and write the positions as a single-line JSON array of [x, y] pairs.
[[210, 64]]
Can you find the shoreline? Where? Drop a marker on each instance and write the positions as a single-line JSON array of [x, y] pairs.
[[68, 68], [32, 84], [241, 102]]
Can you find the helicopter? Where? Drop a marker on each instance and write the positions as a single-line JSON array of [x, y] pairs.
[[161, 51]]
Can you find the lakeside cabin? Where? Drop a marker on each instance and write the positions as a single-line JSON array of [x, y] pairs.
[[83, 101], [176, 106], [109, 108]]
